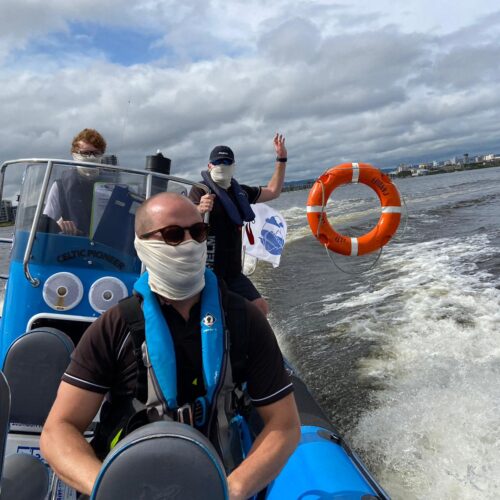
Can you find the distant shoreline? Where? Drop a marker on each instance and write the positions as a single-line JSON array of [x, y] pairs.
[[448, 169], [307, 183]]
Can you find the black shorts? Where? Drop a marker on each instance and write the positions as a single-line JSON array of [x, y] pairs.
[[242, 285]]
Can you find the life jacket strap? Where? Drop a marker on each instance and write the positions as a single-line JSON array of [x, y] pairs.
[[131, 311], [185, 414], [200, 411], [226, 434], [155, 397], [193, 414]]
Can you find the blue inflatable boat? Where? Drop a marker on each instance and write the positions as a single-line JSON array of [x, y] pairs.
[[57, 285]]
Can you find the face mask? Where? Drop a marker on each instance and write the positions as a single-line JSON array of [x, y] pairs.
[[89, 159], [222, 174], [175, 272], [87, 172]]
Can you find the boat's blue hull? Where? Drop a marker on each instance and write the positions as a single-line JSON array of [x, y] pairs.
[[323, 466]]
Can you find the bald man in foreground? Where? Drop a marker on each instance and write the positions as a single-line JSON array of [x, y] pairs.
[[171, 242]]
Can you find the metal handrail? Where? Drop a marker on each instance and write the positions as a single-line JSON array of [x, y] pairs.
[[31, 238], [50, 162]]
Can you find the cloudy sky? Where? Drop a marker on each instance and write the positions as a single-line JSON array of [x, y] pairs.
[[382, 81]]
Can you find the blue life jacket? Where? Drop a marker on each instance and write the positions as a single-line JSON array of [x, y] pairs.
[[213, 414], [238, 212], [160, 347]]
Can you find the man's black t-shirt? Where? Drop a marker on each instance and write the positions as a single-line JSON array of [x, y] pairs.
[[227, 258], [103, 360]]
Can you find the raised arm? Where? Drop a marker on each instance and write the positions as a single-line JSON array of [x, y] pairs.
[[62, 442], [275, 185], [270, 451]]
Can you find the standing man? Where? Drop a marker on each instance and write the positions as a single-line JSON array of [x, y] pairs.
[[229, 207], [175, 293], [70, 196]]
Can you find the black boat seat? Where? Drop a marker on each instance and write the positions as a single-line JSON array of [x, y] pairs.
[[33, 366], [22, 477], [162, 460]]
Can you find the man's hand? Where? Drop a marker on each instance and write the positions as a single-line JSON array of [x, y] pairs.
[[270, 450], [69, 227], [279, 146], [275, 185], [206, 203]]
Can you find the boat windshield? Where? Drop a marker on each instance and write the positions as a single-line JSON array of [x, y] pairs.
[[87, 214]]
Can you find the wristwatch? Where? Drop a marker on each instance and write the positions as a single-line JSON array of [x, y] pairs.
[[281, 160]]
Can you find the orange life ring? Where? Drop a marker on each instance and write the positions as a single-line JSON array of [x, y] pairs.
[[344, 174]]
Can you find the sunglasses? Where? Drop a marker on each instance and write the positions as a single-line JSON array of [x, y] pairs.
[[88, 154], [174, 235], [223, 161]]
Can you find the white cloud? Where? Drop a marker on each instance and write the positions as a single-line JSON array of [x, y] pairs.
[[342, 81]]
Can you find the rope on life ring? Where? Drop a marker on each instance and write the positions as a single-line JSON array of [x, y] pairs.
[[347, 173]]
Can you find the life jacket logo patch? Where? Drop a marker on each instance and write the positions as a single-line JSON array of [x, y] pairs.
[[208, 320]]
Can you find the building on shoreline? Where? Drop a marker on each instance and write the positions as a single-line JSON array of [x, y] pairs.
[[7, 213], [446, 166]]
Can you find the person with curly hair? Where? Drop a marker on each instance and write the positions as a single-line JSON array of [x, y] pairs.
[[70, 196]]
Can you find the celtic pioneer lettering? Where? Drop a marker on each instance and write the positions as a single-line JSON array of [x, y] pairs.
[[85, 253]]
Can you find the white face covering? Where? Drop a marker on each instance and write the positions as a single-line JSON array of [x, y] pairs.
[[87, 172], [90, 159], [222, 174], [175, 272]]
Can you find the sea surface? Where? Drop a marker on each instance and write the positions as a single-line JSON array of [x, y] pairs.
[[402, 349], [402, 352]]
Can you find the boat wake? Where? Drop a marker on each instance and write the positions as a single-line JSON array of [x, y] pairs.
[[436, 368]]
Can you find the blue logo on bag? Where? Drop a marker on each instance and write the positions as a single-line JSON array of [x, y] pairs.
[[272, 235]]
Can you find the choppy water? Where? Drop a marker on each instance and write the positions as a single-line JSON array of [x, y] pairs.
[[405, 357]]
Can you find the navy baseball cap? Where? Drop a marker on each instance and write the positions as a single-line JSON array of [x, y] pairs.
[[221, 153]]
